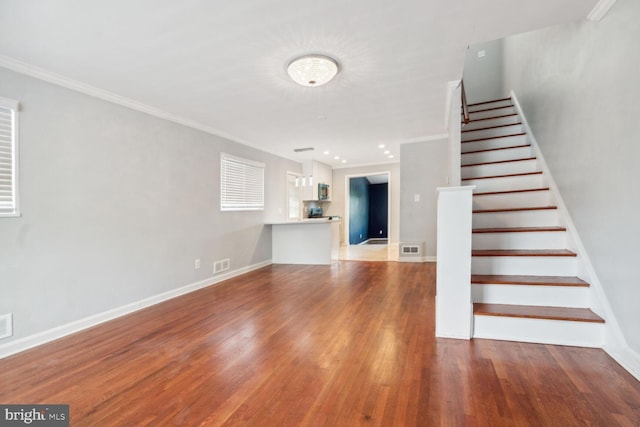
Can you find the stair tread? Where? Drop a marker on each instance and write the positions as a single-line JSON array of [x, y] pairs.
[[490, 109], [492, 127], [489, 102], [499, 162], [537, 312], [491, 118], [531, 208], [509, 175], [489, 193], [518, 229], [504, 279], [524, 252], [494, 137], [496, 149]]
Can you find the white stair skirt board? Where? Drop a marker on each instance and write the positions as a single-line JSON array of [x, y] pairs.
[[546, 296], [526, 199], [522, 166], [491, 113], [517, 182], [491, 131], [488, 144], [492, 104], [496, 155], [520, 240], [543, 331], [528, 218], [524, 265], [506, 119]]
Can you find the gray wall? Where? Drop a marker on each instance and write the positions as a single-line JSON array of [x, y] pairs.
[[579, 88], [116, 206], [338, 195], [483, 76], [423, 168]]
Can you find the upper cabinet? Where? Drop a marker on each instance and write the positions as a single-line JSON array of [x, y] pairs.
[[316, 173]]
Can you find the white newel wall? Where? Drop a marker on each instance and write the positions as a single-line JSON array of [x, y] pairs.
[[453, 125], [454, 309]]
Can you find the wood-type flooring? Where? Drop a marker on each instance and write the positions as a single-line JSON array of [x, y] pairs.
[[343, 345]]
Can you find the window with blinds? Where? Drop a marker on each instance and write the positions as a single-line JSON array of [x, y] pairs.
[[241, 184], [8, 157]]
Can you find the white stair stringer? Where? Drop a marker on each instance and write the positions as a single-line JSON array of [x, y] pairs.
[[543, 331]]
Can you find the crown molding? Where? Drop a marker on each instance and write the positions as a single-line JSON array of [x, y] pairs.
[[600, 10], [66, 82]]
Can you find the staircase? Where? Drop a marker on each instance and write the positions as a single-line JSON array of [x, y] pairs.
[[524, 279]]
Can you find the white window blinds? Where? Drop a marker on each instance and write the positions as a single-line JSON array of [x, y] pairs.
[[241, 184], [8, 157]]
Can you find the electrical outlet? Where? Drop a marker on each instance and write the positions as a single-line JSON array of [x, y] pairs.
[[6, 325], [197, 263]]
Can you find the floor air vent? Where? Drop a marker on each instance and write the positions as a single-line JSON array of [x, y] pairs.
[[410, 249]]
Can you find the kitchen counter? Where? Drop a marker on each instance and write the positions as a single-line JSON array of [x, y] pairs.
[[307, 241]]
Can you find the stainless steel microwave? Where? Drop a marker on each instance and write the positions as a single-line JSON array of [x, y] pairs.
[[323, 191]]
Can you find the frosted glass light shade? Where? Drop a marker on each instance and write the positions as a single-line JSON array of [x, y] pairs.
[[312, 70]]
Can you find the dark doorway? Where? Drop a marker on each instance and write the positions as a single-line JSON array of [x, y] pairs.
[[368, 209]]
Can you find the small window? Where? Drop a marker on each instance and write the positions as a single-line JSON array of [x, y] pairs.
[[8, 157], [241, 184]]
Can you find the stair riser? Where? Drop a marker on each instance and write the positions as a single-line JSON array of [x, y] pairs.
[[489, 144], [499, 121], [494, 104], [527, 240], [559, 332], [536, 266], [512, 200], [486, 133], [549, 296], [496, 156], [492, 113], [505, 183], [500, 169], [538, 218]]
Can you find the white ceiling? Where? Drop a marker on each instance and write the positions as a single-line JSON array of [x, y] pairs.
[[221, 64]]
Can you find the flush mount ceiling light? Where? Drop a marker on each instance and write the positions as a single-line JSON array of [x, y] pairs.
[[312, 70]]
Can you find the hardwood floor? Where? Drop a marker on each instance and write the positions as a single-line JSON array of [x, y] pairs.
[[342, 345]]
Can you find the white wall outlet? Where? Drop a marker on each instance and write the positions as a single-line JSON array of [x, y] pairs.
[[197, 263], [416, 197], [6, 325], [482, 53]]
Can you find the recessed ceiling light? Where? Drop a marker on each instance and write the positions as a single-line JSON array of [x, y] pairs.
[[386, 151], [381, 146], [391, 156], [312, 70], [344, 161], [326, 152], [337, 157]]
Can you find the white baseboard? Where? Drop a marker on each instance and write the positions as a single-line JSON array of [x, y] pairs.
[[627, 358], [43, 337], [417, 259]]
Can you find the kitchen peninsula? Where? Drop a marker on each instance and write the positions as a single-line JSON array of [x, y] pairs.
[[308, 241]]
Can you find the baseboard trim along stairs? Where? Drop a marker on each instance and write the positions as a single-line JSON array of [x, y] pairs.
[[525, 279]]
